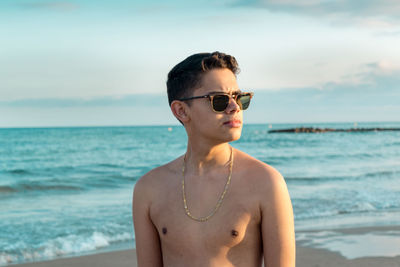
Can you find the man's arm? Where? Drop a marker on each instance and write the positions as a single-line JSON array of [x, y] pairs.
[[148, 248], [277, 224]]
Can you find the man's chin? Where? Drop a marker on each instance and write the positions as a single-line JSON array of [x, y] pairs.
[[235, 135]]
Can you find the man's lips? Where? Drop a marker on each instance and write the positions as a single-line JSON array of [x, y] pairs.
[[233, 123]]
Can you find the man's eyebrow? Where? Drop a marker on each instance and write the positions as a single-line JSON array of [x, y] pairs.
[[222, 92]]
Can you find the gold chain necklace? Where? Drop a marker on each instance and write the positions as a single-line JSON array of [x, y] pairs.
[[221, 198]]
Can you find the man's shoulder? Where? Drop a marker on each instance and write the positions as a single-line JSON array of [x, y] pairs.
[[258, 173], [156, 177], [265, 183]]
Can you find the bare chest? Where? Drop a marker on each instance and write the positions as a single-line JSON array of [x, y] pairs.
[[235, 224]]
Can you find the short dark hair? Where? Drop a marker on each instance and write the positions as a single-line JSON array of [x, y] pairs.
[[185, 76]]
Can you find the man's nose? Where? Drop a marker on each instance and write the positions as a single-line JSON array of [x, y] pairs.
[[233, 106]]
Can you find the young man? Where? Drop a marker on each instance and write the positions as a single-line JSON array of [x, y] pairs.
[[215, 205]]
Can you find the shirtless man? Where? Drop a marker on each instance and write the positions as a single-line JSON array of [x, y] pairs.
[[215, 205]]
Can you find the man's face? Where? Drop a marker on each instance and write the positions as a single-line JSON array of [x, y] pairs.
[[225, 126]]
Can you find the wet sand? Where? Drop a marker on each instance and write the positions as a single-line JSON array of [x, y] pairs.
[[306, 257]]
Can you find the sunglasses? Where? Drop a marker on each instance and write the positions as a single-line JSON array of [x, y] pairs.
[[220, 101]]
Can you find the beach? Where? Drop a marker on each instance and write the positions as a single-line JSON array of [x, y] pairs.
[[306, 256]]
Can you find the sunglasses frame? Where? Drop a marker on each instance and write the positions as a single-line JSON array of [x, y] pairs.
[[212, 95]]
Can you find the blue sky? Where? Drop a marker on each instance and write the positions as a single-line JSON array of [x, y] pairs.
[[75, 63]]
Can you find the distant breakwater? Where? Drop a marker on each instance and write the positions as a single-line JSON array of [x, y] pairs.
[[325, 130]]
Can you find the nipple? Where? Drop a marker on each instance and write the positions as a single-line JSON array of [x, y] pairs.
[[234, 233]]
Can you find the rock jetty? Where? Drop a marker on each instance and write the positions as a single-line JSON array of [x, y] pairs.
[[325, 130]]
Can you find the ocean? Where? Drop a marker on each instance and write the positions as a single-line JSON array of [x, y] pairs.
[[68, 191]]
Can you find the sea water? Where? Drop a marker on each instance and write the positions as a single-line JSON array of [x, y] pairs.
[[68, 191]]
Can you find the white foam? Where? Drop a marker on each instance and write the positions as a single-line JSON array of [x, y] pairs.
[[61, 246], [78, 244], [6, 259], [362, 206]]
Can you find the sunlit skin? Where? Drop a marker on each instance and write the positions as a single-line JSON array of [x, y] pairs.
[[255, 220]]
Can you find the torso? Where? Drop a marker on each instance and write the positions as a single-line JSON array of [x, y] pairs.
[[231, 237]]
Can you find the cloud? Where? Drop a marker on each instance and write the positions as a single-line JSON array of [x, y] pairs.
[[384, 67], [374, 99], [394, 34], [134, 100], [370, 13], [379, 84], [384, 72]]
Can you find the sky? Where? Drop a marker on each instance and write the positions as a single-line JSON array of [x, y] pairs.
[[100, 63]]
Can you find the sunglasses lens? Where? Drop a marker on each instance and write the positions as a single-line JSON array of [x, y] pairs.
[[220, 102], [244, 101]]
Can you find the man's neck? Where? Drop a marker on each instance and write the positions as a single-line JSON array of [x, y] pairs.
[[201, 159]]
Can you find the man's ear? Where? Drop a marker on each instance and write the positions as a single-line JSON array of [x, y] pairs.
[[180, 110]]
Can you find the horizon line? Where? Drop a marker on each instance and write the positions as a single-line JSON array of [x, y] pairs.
[[177, 124]]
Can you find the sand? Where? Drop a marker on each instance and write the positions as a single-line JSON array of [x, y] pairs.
[[306, 256], [124, 258]]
